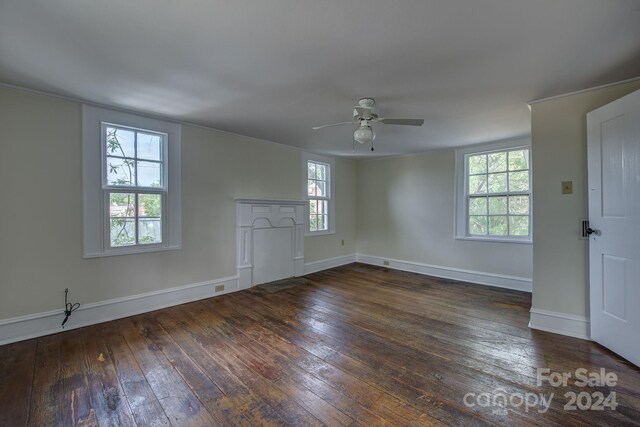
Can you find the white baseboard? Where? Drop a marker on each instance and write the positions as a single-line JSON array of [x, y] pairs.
[[560, 323], [478, 277], [325, 264], [46, 323], [40, 324]]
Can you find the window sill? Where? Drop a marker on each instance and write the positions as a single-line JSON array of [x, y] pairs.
[[318, 233], [131, 251], [496, 240]]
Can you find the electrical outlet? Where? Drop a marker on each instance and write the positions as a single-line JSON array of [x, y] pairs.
[[342, 242], [219, 288], [385, 262]]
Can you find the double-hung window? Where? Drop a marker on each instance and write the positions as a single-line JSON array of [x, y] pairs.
[[134, 185], [131, 179], [494, 192], [318, 188]]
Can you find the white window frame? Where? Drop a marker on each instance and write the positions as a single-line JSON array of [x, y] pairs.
[[96, 241], [331, 163], [461, 185]]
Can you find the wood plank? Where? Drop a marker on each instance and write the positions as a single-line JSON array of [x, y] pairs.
[[242, 401], [323, 378], [107, 395], [145, 408], [554, 350], [196, 379], [279, 369], [357, 345], [441, 405], [289, 410], [45, 409], [75, 399], [384, 348], [594, 352], [180, 404], [17, 363]]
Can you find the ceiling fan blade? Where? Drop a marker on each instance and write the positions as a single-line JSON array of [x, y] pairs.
[[405, 122], [334, 124]]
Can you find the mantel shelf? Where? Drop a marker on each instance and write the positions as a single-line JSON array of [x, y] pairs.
[[270, 201]]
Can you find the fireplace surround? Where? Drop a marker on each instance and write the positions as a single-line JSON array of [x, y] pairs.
[[270, 240]]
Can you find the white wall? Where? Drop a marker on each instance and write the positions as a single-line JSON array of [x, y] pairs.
[[405, 211], [400, 208], [559, 148], [41, 210]]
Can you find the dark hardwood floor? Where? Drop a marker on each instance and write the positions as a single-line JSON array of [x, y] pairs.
[[357, 345]]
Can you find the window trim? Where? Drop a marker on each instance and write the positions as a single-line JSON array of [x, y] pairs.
[[96, 191], [460, 205], [306, 157]]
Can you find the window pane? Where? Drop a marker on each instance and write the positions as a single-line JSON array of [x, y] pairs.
[[149, 174], [519, 181], [121, 172], [321, 189], [519, 205], [477, 225], [497, 205], [477, 184], [478, 164], [497, 183], [477, 206], [149, 205], [311, 187], [120, 142], [322, 222], [149, 146], [497, 162], [317, 186], [149, 231], [498, 225], [122, 205], [122, 231], [519, 225], [491, 177], [323, 207], [518, 160]]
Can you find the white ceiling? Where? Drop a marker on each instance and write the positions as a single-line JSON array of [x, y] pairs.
[[273, 69]]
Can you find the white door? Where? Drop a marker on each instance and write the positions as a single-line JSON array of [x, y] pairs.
[[614, 211]]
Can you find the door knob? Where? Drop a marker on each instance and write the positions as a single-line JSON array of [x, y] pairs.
[[591, 231]]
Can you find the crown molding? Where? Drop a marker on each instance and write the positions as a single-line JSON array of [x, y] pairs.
[[577, 92]]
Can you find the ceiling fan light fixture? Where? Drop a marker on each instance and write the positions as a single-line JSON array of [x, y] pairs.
[[364, 134], [365, 114]]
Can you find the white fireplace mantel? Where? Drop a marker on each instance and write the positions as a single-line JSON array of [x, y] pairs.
[[257, 214]]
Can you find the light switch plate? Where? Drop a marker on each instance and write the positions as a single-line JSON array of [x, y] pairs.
[[567, 187]]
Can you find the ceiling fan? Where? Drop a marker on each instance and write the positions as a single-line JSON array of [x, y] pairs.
[[364, 115]]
